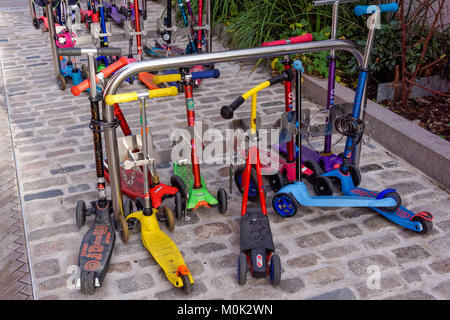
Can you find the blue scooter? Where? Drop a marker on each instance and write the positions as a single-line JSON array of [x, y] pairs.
[[286, 201]]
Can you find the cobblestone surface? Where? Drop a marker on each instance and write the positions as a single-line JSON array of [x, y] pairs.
[[325, 253]]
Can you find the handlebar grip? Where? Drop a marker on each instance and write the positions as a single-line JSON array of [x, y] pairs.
[[157, 79], [78, 89], [111, 99], [68, 51], [164, 92], [215, 73], [298, 66], [304, 38], [109, 51], [362, 10], [286, 75], [227, 111]]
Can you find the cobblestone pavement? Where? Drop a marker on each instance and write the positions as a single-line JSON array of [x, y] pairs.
[[325, 253]]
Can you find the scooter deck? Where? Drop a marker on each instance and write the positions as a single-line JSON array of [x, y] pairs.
[[402, 216], [96, 250], [161, 247], [255, 231], [135, 190]]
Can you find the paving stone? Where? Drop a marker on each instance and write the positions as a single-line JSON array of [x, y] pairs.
[[410, 253], [209, 247], [211, 230], [379, 242], [370, 167], [313, 240], [346, 231], [46, 268], [51, 284], [407, 187], [377, 222], [177, 293], [441, 266], [440, 245], [43, 195], [120, 267], [360, 266], [386, 286], [338, 294], [304, 261], [225, 261], [324, 219], [414, 274], [337, 252], [48, 232], [292, 285], [443, 289], [135, 283], [324, 276]]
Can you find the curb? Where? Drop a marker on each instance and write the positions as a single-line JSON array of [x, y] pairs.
[[419, 147]]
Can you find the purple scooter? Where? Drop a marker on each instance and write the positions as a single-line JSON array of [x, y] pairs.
[[113, 12], [326, 159]]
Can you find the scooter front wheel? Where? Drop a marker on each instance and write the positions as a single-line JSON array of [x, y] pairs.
[[323, 186], [178, 205], [284, 204], [80, 213], [253, 193], [169, 217], [398, 201], [277, 181], [315, 168]]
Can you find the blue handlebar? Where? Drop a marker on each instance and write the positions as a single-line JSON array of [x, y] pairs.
[[362, 10], [215, 73]]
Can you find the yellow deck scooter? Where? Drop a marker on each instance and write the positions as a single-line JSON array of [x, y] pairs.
[[160, 246]]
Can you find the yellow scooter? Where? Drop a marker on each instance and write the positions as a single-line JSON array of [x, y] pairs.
[[160, 246]]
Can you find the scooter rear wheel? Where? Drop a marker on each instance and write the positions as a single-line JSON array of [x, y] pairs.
[[242, 269], [87, 281], [187, 287], [427, 225], [355, 174], [222, 199], [323, 186], [122, 227], [277, 181], [80, 213], [284, 204], [169, 217], [178, 183], [178, 205], [315, 168], [128, 209], [275, 270]]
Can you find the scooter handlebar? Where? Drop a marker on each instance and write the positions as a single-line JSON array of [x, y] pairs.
[[304, 38], [157, 79], [215, 73], [111, 99], [362, 10], [325, 2], [83, 51], [227, 111], [78, 89]]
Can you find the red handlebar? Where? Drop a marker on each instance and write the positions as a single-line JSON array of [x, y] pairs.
[[78, 89], [304, 38]]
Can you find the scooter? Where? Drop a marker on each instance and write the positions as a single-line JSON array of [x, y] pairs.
[[256, 242], [160, 246], [113, 12], [98, 243], [349, 177], [287, 171], [187, 177]]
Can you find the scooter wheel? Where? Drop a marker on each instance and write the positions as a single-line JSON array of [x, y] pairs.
[[253, 194], [36, 23], [315, 168], [242, 269], [427, 225], [284, 204], [178, 183], [187, 286], [128, 209], [355, 174], [396, 197], [222, 199], [178, 205], [277, 181], [169, 217], [275, 270], [323, 186], [139, 204], [61, 82], [122, 226], [80, 213], [87, 280]]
